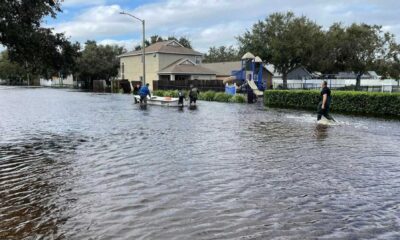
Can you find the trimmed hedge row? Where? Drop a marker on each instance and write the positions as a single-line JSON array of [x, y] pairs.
[[368, 103], [206, 96]]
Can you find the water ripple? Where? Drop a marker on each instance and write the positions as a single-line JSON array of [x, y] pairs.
[[89, 166]]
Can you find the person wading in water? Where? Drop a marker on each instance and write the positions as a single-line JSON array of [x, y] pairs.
[[143, 92], [324, 104], [193, 94]]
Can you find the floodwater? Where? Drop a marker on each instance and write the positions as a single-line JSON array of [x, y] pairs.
[[79, 165]]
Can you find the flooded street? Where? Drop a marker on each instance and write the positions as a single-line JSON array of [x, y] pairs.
[[79, 165]]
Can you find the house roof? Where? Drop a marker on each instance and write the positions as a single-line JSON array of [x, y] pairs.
[[171, 47], [185, 66], [223, 68]]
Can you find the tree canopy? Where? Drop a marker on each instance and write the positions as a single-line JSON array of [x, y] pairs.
[[13, 72], [37, 48], [184, 41], [98, 62], [221, 54], [284, 40], [288, 41]]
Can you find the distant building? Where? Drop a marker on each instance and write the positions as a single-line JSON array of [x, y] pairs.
[[167, 60], [67, 81], [299, 73], [353, 75]]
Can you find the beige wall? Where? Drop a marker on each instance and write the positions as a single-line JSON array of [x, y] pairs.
[[133, 68]]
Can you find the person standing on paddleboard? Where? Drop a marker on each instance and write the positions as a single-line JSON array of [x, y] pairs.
[[324, 104]]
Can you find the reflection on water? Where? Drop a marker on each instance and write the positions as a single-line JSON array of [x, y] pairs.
[[32, 174], [87, 166], [321, 131]]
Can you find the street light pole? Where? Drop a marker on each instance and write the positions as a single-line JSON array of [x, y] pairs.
[[143, 45], [144, 54]]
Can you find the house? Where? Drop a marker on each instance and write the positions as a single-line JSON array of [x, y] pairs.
[[303, 74], [225, 69], [167, 60]]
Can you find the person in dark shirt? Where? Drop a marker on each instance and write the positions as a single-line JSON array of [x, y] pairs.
[[193, 94], [324, 104], [181, 96]]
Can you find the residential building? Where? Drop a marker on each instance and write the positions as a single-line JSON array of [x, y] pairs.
[[167, 60]]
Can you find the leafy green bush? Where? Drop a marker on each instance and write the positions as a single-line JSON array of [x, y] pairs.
[[238, 99], [342, 101], [171, 93], [222, 97], [159, 93], [207, 96]]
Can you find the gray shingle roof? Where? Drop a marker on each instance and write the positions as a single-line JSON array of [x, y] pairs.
[[223, 68], [171, 47], [178, 68]]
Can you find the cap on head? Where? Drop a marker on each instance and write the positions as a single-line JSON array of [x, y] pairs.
[[147, 84]]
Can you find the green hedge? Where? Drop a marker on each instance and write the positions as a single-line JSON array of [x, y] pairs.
[[342, 101], [206, 96]]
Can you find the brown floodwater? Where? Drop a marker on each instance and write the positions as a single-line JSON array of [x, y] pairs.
[[79, 165]]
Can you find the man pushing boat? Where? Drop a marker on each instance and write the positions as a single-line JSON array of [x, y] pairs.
[[143, 92]]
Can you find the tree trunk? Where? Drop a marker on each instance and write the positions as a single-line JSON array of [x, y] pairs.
[[284, 78]]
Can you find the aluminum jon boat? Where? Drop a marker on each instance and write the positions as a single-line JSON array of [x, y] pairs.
[[161, 101]]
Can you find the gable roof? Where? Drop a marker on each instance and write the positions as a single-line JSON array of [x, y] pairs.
[[185, 66], [171, 47]]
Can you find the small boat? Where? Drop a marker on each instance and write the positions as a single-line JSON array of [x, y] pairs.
[[161, 101]]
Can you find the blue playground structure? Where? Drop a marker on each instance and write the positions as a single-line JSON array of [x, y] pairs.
[[250, 76]]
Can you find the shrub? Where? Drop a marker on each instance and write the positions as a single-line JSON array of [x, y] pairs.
[[222, 97], [159, 93], [238, 99], [207, 96], [171, 93], [342, 101]]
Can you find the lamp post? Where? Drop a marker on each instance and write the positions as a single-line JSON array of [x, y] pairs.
[[143, 45]]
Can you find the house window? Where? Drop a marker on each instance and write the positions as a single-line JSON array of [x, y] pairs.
[[198, 60]]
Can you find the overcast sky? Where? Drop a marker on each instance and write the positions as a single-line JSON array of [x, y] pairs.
[[207, 22]]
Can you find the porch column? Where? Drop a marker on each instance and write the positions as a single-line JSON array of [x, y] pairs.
[[172, 77]]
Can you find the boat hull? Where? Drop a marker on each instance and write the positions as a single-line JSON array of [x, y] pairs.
[[161, 101]]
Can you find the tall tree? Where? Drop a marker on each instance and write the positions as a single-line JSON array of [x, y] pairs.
[[35, 47], [11, 71], [221, 54], [284, 40], [98, 62]]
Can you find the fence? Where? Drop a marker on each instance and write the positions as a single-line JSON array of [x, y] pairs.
[[202, 85], [367, 85]]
